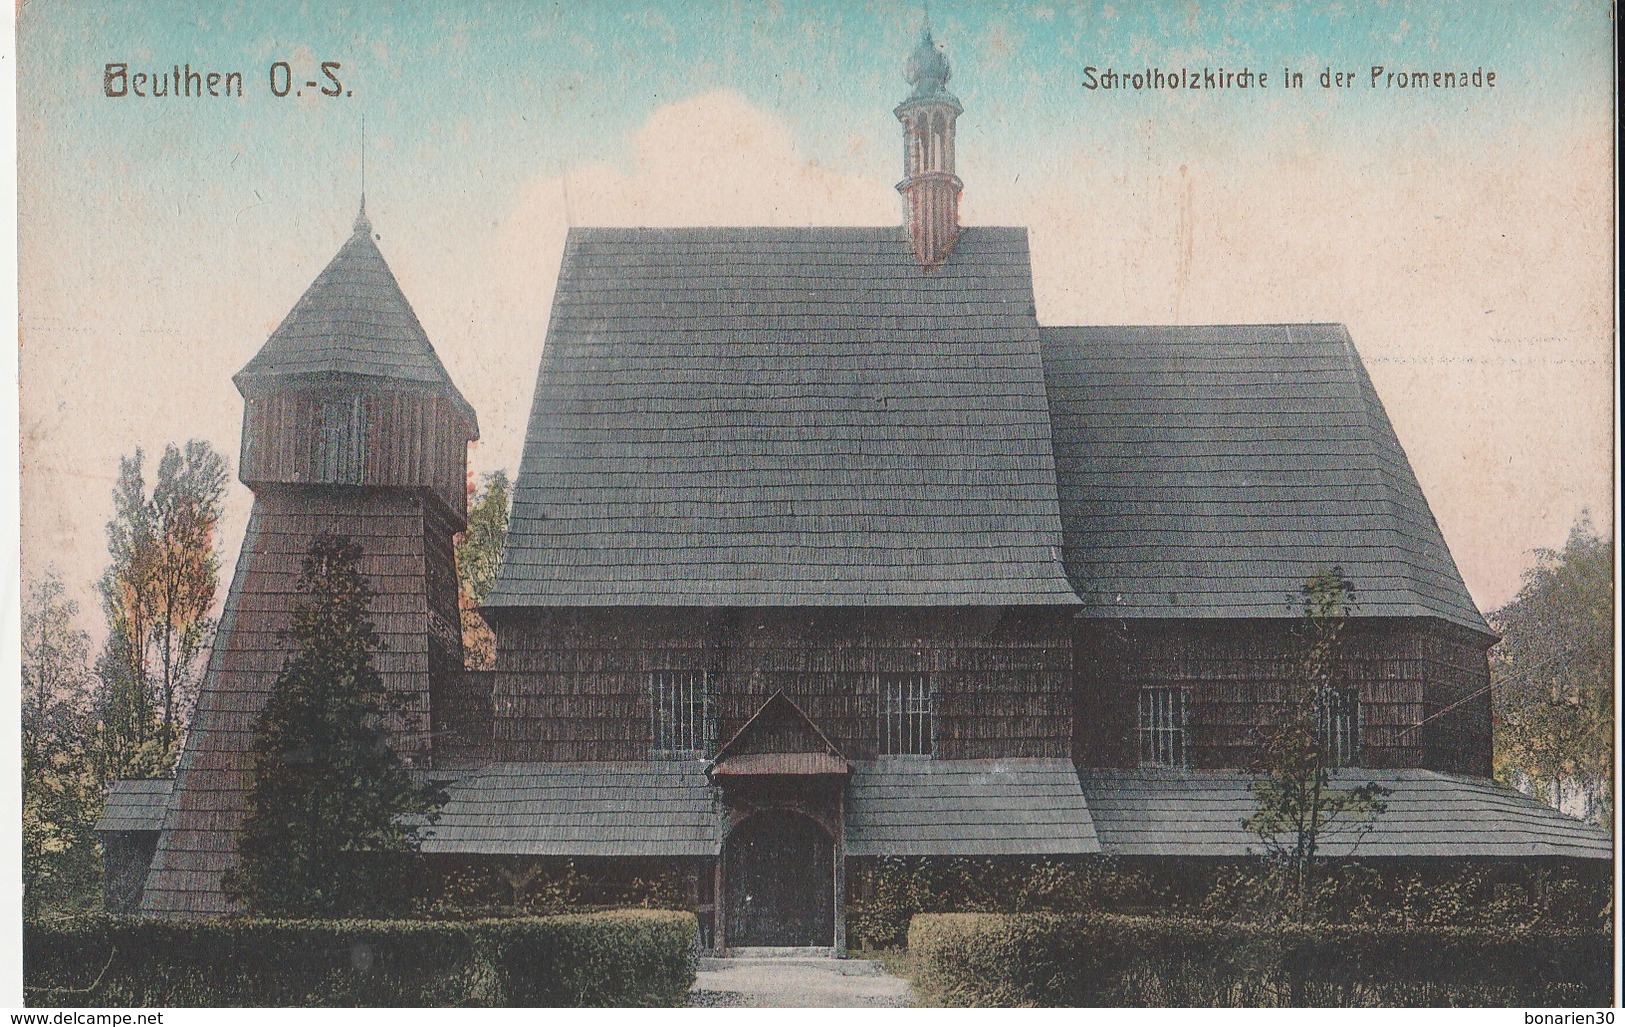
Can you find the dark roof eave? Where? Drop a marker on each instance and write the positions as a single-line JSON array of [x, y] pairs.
[[501, 608], [1485, 634]]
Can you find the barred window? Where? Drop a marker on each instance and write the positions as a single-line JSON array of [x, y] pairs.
[[1339, 726], [680, 710], [905, 714], [1163, 726]]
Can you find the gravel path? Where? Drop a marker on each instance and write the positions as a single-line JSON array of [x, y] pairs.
[[797, 982]]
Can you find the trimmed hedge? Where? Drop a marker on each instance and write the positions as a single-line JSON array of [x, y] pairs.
[[628, 958], [1044, 959], [885, 894]]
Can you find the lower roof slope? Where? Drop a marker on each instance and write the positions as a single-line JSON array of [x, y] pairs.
[[579, 809], [1014, 807], [787, 417], [1156, 812], [1209, 471], [136, 804], [902, 807]]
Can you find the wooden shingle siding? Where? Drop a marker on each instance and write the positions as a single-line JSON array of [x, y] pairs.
[[460, 702], [1236, 674], [574, 684], [397, 530], [398, 439], [1456, 705], [1207, 472]]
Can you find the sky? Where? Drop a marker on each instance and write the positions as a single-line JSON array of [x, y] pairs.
[[1464, 236]]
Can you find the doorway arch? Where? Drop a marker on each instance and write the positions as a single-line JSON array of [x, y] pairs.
[[779, 874]]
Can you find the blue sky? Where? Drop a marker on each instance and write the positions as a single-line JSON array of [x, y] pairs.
[[477, 97], [1465, 237]]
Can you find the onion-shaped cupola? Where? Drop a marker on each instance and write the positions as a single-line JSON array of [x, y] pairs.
[[930, 188]]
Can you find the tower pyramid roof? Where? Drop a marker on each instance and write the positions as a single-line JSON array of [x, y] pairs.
[[353, 321]]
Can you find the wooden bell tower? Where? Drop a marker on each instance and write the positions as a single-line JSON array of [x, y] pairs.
[[350, 426]]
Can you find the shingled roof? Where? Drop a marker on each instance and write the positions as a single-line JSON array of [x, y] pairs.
[[753, 416], [136, 804], [1014, 807], [353, 320], [1153, 812], [579, 809], [1209, 471]]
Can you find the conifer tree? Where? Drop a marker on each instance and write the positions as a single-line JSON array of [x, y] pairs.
[[327, 831]]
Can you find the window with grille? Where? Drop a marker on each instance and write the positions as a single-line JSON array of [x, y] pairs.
[[1163, 726], [905, 714], [1339, 724], [680, 709]]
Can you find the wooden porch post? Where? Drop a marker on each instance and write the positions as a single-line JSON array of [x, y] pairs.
[[719, 905], [840, 872]]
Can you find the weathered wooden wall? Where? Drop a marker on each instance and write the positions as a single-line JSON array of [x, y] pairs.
[[1236, 671], [460, 701], [126, 859], [405, 536], [1456, 728], [340, 435], [573, 684]]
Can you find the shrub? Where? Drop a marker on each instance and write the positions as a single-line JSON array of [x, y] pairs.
[[629, 958], [1464, 894], [1044, 959], [886, 893], [471, 888]]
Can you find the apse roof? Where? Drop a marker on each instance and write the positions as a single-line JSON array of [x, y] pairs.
[[1210, 471]]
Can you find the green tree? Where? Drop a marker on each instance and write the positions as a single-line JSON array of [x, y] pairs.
[[157, 592], [124, 705], [324, 832], [1297, 803], [61, 865], [479, 556], [187, 502], [1553, 675]]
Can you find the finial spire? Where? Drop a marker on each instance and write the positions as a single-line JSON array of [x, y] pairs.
[[362, 224]]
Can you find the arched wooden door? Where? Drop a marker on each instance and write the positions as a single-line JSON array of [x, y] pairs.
[[778, 869]]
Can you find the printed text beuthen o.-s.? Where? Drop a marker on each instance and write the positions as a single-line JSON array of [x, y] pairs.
[[119, 80]]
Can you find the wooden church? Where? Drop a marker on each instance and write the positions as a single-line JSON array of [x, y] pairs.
[[824, 549]]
